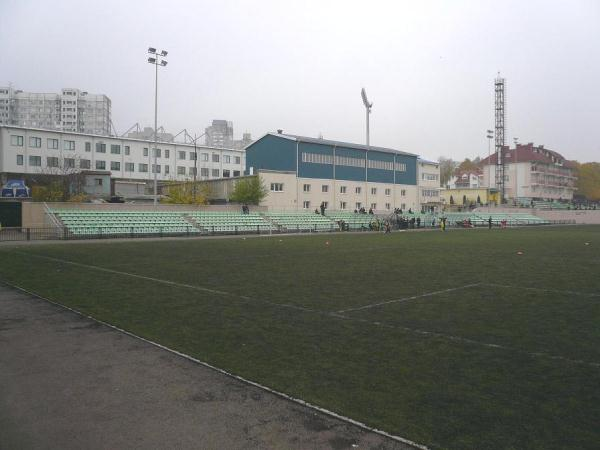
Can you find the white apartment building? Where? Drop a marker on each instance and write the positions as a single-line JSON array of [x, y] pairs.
[[26, 151], [72, 110], [532, 172], [220, 134], [428, 182]]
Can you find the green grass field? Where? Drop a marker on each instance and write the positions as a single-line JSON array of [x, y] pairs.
[[473, 346]]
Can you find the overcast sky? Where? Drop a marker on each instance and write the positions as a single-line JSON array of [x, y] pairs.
[[428, 66]]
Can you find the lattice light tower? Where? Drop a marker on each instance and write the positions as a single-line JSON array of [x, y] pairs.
[[499, 134]]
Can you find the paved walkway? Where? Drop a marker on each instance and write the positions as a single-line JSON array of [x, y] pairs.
[[68, 382]]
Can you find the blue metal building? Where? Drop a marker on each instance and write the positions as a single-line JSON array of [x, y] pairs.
[[326, 159]]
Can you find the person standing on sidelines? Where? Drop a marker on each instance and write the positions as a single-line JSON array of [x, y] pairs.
[[490, 223]]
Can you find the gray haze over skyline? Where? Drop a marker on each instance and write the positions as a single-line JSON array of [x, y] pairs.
[[299, 65]]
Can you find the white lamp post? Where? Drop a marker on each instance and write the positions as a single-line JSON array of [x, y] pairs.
[[158, 60]]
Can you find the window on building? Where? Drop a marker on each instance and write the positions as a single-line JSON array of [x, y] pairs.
[[19, 160], [143, 167], [88, 146], [226, 158], [52, 144], [192, 171], [403, 193], [155, 168], [236, 173], [167, 170], [180, 155], [98, 181], [69, 145], [276, 187], [204, 172], [358, 205], [373, 191], [238, 160], [226, 173], [342, 205], [180, 170], [215, 173], [115, 149], [215, 157], [115, 165], [400, 167], [100, 147], [192, 156], [205, 157], [316, 158], [100, 165], [377, 164], [403, 206], [85, 164], [145, 151], [69, 163], [35, 161], [306, 188], [325, 188], [127, 150], [156, 153], [342, 189], [167, 153], [306, 204], [129, 167], [35, 142], [357, 190], [388, 192], [16, 141], [387, 206], [373, 205]]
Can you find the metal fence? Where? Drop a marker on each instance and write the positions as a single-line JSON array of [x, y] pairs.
[[64, 233]]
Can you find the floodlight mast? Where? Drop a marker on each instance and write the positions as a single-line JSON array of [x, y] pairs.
[[157, 60], [368, 107]]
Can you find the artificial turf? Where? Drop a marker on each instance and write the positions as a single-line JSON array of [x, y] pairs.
[[510, 361]]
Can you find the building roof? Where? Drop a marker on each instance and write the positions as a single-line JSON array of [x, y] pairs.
[[529, 153], [426, 161], [461, 173], [338, 143]]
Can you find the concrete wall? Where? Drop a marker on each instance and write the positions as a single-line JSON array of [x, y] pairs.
[[34, 215], [579, 216]]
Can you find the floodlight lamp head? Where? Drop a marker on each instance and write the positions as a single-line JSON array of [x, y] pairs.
[[163, 63], [363, 94], [151, 50], [152, 60], [164, 53]]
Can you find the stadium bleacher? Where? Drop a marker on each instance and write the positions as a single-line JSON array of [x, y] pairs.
[[301, 221], [91, 223], [227, 222], [354, 221]]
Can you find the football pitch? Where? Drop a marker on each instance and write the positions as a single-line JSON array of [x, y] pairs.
[[469, 339]]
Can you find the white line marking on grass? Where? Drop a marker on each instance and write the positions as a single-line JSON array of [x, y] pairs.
[[170, 283], [556, 291], [466, 340], [337, 314], [229, 374], [405, 299]]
